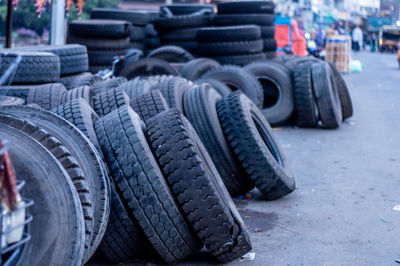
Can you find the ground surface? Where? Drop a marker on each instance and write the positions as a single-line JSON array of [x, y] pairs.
[[348, 181]]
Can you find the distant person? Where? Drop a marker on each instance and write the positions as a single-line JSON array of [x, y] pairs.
[[357, 37], [319, 37]]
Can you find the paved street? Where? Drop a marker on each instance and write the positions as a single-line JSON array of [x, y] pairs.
[[348, 182]]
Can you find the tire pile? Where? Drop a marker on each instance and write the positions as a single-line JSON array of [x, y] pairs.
[[139, 169]]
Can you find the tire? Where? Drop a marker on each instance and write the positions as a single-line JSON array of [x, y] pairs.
[[181, 35], [188, 46], [138, 33], [251, 139], [244, 19], [100, 44], [180, 22], [82, 79], [100, 28], [144, 189], [123, 239], [85, 154], [62, 225], [16, 91], [73, 57], [136, 17], [290, 61], [200, 109], [326, 95], [71, 166], [171, 54], [228, 48], [100, 58], [344, 95], [46, 96], [187, 9], [108, 84], [271, 55], [196, 183], [270, 45], [9, 100], [137, 87], [79, 113], [173, 89], [149, 105], [217, 85], [267, 32], [35, 67], [109, 100], [152, 43], [84, 92], [138, 45], [238, 79], [229, 34], [276, 81], [240, 59], [148, 67], [245, 7], [194, 69], [306, 106]]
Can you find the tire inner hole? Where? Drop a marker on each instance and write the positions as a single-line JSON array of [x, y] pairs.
[[271, 91]]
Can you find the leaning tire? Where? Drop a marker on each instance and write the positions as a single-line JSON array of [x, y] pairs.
[[148, 67], [144, 189], [84, 92], [108, 101], [194, 69], [171, 53], [46, 96], [149, 105], [252, 140], [277, 84]]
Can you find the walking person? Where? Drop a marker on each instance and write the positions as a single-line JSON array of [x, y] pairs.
[[357, 37]]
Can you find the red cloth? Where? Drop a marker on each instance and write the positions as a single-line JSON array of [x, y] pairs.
[[282, 37]]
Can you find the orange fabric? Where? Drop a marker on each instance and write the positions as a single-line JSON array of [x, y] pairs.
[[282, 37]]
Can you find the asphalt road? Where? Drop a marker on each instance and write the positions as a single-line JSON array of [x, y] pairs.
[[348, 181]]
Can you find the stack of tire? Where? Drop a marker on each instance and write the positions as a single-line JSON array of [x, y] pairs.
[[104, 39], [179, 24], [139, 19], [260, 13], [234, 45]]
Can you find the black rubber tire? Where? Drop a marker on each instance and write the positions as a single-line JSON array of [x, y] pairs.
[[270, 45], [148, 67], [62, 224], [196, 183], [73, 57], [15, 91], [267, 32], [180, 22], [245, 7], [181, 35], [142, 185], [85, 154], [46, 96], [82, 79], [229, 34], [151, 31], [276, 81], [137, 87], [306, 106], [172, 54], [108, 84], [35, 67], [136, 17], [149, 105], [270, 55], [188, 46], [84, 92], [100, 57], [343, 91], [244, 19], [326, 95], [239, 79], [229, 48], [9, 100], [251, 139], [187, 9], [152, 43], [194, 69], [79, 113], [63, 155], [290, 61], [100, 28], [200, 109], [109, 100], [101, 44], [138, 33], [123, 239], [173, 89], [239, 59], [217, 85]]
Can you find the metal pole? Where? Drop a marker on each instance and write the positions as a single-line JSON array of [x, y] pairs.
[[9, 24], [57, 22]]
